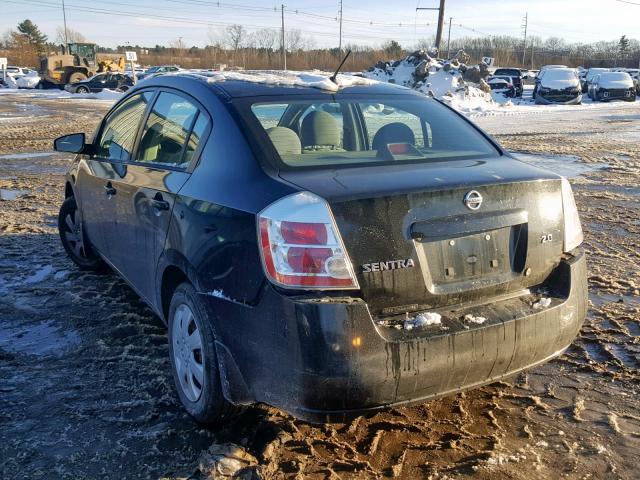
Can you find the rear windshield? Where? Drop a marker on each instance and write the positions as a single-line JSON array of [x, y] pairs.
[[615, 76], [560, 74], [359, 131], [507, 71]]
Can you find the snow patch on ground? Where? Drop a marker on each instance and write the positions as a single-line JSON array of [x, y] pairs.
[[27, 155], [39, 275], [106, 94]]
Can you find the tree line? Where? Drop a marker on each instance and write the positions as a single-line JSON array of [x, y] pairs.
[[236, 47]]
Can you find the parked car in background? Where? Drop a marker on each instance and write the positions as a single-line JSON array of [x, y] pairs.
[[97, 83], [502, 84], [158, 69], [139, 71], [588, 77], [558, 85], [541, 73], [17, 72], [612, 86], [517, 78], [316, 247], [635, 76]]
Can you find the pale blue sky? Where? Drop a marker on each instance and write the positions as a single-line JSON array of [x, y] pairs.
[[365, 22]]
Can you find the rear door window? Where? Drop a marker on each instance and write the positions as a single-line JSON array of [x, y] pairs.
[[169, 126], [119, 131]]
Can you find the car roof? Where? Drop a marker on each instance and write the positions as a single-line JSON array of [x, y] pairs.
[[234, 86]]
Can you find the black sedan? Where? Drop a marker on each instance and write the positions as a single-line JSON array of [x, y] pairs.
[[100, 81], [329, 249]]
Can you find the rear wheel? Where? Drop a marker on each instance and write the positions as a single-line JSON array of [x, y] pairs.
[[73, 238], [193, 358]]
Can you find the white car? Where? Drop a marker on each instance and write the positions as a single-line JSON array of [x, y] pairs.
[[612, 86], [17, 72], [558, 85]]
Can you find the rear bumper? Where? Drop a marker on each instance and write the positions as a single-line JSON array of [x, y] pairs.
[[326, 359]]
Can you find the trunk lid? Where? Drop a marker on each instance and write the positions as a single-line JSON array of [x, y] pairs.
[[414, 243]]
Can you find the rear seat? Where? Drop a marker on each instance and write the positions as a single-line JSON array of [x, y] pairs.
[[320, 132]]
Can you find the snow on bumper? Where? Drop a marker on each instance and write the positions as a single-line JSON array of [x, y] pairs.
[[327, 360]]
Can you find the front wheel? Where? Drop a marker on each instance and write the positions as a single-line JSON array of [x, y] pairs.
[[82, 90], [73, 238], [193, 358]]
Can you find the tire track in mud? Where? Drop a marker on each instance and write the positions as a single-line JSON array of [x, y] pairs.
[[86, 390]]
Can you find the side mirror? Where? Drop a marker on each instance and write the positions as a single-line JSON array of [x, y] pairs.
[[73, 143]]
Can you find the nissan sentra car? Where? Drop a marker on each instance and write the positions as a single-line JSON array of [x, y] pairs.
[[331, 251]]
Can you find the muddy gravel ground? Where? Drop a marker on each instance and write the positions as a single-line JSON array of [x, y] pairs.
[[85, 383]]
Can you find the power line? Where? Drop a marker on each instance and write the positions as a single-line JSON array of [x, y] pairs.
[[359, 32]]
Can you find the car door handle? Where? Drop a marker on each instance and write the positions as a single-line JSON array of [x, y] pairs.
[[160, 204], [109, 190]]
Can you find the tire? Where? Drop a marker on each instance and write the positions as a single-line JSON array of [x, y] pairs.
[[82, 89], [76, 77], [74, 240], [194, 363]]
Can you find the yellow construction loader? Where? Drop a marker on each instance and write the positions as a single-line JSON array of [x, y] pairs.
[[77, 62]]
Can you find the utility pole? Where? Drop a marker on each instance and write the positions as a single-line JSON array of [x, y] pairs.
[[531, 55], [524, 48], [440, 22], [64, 18], [449, 38], [340, 38], [284, 50]]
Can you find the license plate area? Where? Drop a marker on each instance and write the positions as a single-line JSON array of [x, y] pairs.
[[473, 261]]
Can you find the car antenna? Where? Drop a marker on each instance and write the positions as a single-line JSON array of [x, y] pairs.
[[335, 74]]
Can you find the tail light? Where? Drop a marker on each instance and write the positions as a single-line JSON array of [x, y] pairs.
[[301, 247], [572, 229]]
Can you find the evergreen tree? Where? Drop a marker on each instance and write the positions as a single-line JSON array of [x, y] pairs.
[[34, 36], [623, 45], [392, 49]]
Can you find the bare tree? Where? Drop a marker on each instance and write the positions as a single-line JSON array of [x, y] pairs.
[[73, 36], [265, 39], [293, 40], [235, 36]]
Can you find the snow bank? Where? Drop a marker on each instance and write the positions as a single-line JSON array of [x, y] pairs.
[[105, 94], [10, 82], [30, 80], [446, 80]]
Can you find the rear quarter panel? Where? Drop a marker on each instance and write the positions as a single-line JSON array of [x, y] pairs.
[[213, 236]]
